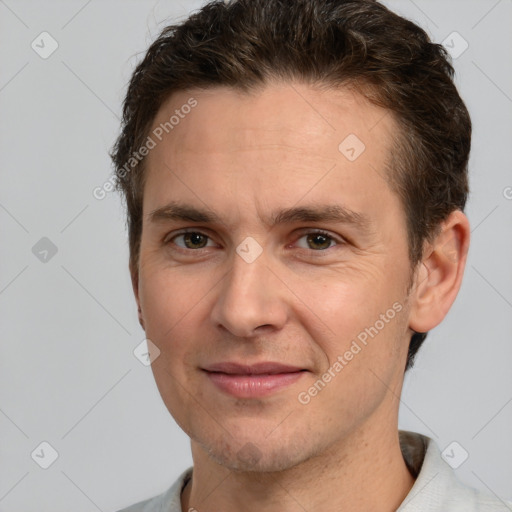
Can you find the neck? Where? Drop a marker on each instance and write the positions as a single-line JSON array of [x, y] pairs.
[[363, 471]]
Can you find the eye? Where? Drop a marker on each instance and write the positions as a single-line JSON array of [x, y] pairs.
[[318, 241], [191, 240]]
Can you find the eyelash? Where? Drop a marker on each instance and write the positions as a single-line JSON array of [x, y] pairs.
[[319, 252]]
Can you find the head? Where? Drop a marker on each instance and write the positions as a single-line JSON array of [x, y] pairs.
[[258, 111]]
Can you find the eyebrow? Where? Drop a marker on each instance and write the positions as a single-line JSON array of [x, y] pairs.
[[175, 211]]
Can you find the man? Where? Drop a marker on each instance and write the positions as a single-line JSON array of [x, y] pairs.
[[295, 174]]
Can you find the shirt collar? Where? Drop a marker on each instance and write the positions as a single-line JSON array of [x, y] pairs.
[[436, 487]]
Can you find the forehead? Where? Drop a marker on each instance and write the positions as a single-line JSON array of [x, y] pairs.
[[270, 148], [310, 119]]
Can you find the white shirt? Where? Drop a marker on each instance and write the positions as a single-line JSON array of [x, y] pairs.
[[436, 489]]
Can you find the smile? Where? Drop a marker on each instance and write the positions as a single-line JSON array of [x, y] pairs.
[[252, 381]]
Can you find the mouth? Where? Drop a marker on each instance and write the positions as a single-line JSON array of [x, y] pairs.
[[252, 381]]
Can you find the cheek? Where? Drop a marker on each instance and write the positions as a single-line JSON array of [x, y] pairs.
[[168, 295], [173, 312], [364, 343], [364, 359], [341, 305], [176, 303]]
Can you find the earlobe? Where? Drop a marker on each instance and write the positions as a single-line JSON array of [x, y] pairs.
[[439, 275]]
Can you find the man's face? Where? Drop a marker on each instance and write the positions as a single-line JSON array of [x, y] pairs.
[[244, 289]]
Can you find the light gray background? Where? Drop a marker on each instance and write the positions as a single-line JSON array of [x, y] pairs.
[[68, 326]]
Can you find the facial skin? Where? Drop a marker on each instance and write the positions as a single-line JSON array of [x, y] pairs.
[[301, 302]]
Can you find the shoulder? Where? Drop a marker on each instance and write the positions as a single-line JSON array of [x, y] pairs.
[[168, 501], [437, 488], [467, 499]]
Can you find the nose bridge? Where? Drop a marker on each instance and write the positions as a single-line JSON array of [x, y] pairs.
[[250, 294]]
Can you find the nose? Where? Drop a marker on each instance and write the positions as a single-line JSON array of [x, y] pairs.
[[252, 298]]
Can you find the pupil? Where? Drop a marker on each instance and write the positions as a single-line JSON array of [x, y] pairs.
[[194, 239], [324, 241]]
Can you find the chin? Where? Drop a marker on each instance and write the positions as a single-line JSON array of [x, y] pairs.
[[255, 455]]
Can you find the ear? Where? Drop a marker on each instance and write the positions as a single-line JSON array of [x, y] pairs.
[[134, 274], [439, 275]]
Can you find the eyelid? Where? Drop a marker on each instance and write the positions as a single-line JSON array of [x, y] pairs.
[[318, 231], [171, 236], [184, 231], [339, 244]]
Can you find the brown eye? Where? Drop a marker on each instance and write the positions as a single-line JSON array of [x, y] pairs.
[[317, 241], [191, 240]]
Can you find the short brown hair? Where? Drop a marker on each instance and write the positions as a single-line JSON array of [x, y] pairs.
[[357, 43]]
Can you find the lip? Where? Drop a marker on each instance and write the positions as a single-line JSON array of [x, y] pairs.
[[265, 367], [252, 381]]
